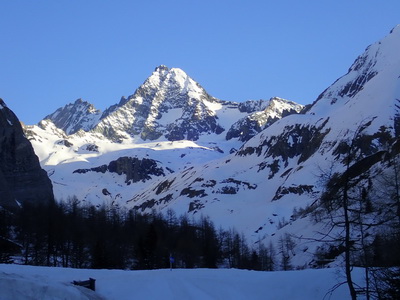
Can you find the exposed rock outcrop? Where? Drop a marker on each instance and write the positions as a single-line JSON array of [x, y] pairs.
[[262, 114], [21, 177], [133, 168], [75, 116]]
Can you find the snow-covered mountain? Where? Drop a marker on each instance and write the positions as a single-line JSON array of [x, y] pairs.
[[170, 122], [75, 116], [252, 166], [171, 105], [276, 173], [262, 114]]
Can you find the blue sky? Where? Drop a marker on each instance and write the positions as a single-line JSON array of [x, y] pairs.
[[54, 52]]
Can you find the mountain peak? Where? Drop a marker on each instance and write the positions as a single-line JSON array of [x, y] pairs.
[[74, 116], [169, 104], [161, 68], [173, 72]]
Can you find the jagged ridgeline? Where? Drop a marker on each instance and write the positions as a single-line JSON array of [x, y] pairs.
[[172, 105], [169, 112]]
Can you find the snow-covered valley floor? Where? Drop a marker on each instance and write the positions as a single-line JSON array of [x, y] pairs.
[[27, 282]]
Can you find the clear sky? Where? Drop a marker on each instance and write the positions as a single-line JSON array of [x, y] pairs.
[[53, 52]]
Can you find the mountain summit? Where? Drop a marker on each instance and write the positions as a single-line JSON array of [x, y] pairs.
[[169, 105], [75, 116], [81, 146]]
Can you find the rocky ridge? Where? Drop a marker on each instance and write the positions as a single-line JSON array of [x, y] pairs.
[[73, 117], [170, 105], [261, 116]]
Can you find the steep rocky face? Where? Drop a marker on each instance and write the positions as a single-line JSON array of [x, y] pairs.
[[294, 141], [147, 113], [75, 116], [133, 168], [272, 110], [21, 177], [251, 106]]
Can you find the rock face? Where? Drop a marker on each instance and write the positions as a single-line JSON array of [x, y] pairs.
[[147, 113], [262, 114], [75, 116], [21, 177], [135, 169]]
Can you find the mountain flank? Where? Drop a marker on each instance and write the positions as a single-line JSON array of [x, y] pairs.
[[21, 177]]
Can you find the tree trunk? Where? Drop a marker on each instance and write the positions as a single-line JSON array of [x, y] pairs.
[[348, 243]]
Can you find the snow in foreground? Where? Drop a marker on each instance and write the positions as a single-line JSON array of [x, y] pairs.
[[26, 282]]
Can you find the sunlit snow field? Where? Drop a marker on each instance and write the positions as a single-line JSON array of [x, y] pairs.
[[27, 282]]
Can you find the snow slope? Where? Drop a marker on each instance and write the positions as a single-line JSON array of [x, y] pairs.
[[26, 282]]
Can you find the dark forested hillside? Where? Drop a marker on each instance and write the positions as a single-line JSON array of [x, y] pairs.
[[68, 234]]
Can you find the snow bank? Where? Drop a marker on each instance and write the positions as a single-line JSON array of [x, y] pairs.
[[26, 282]]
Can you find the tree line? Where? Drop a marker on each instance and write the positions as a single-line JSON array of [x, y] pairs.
[[70, 234]]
